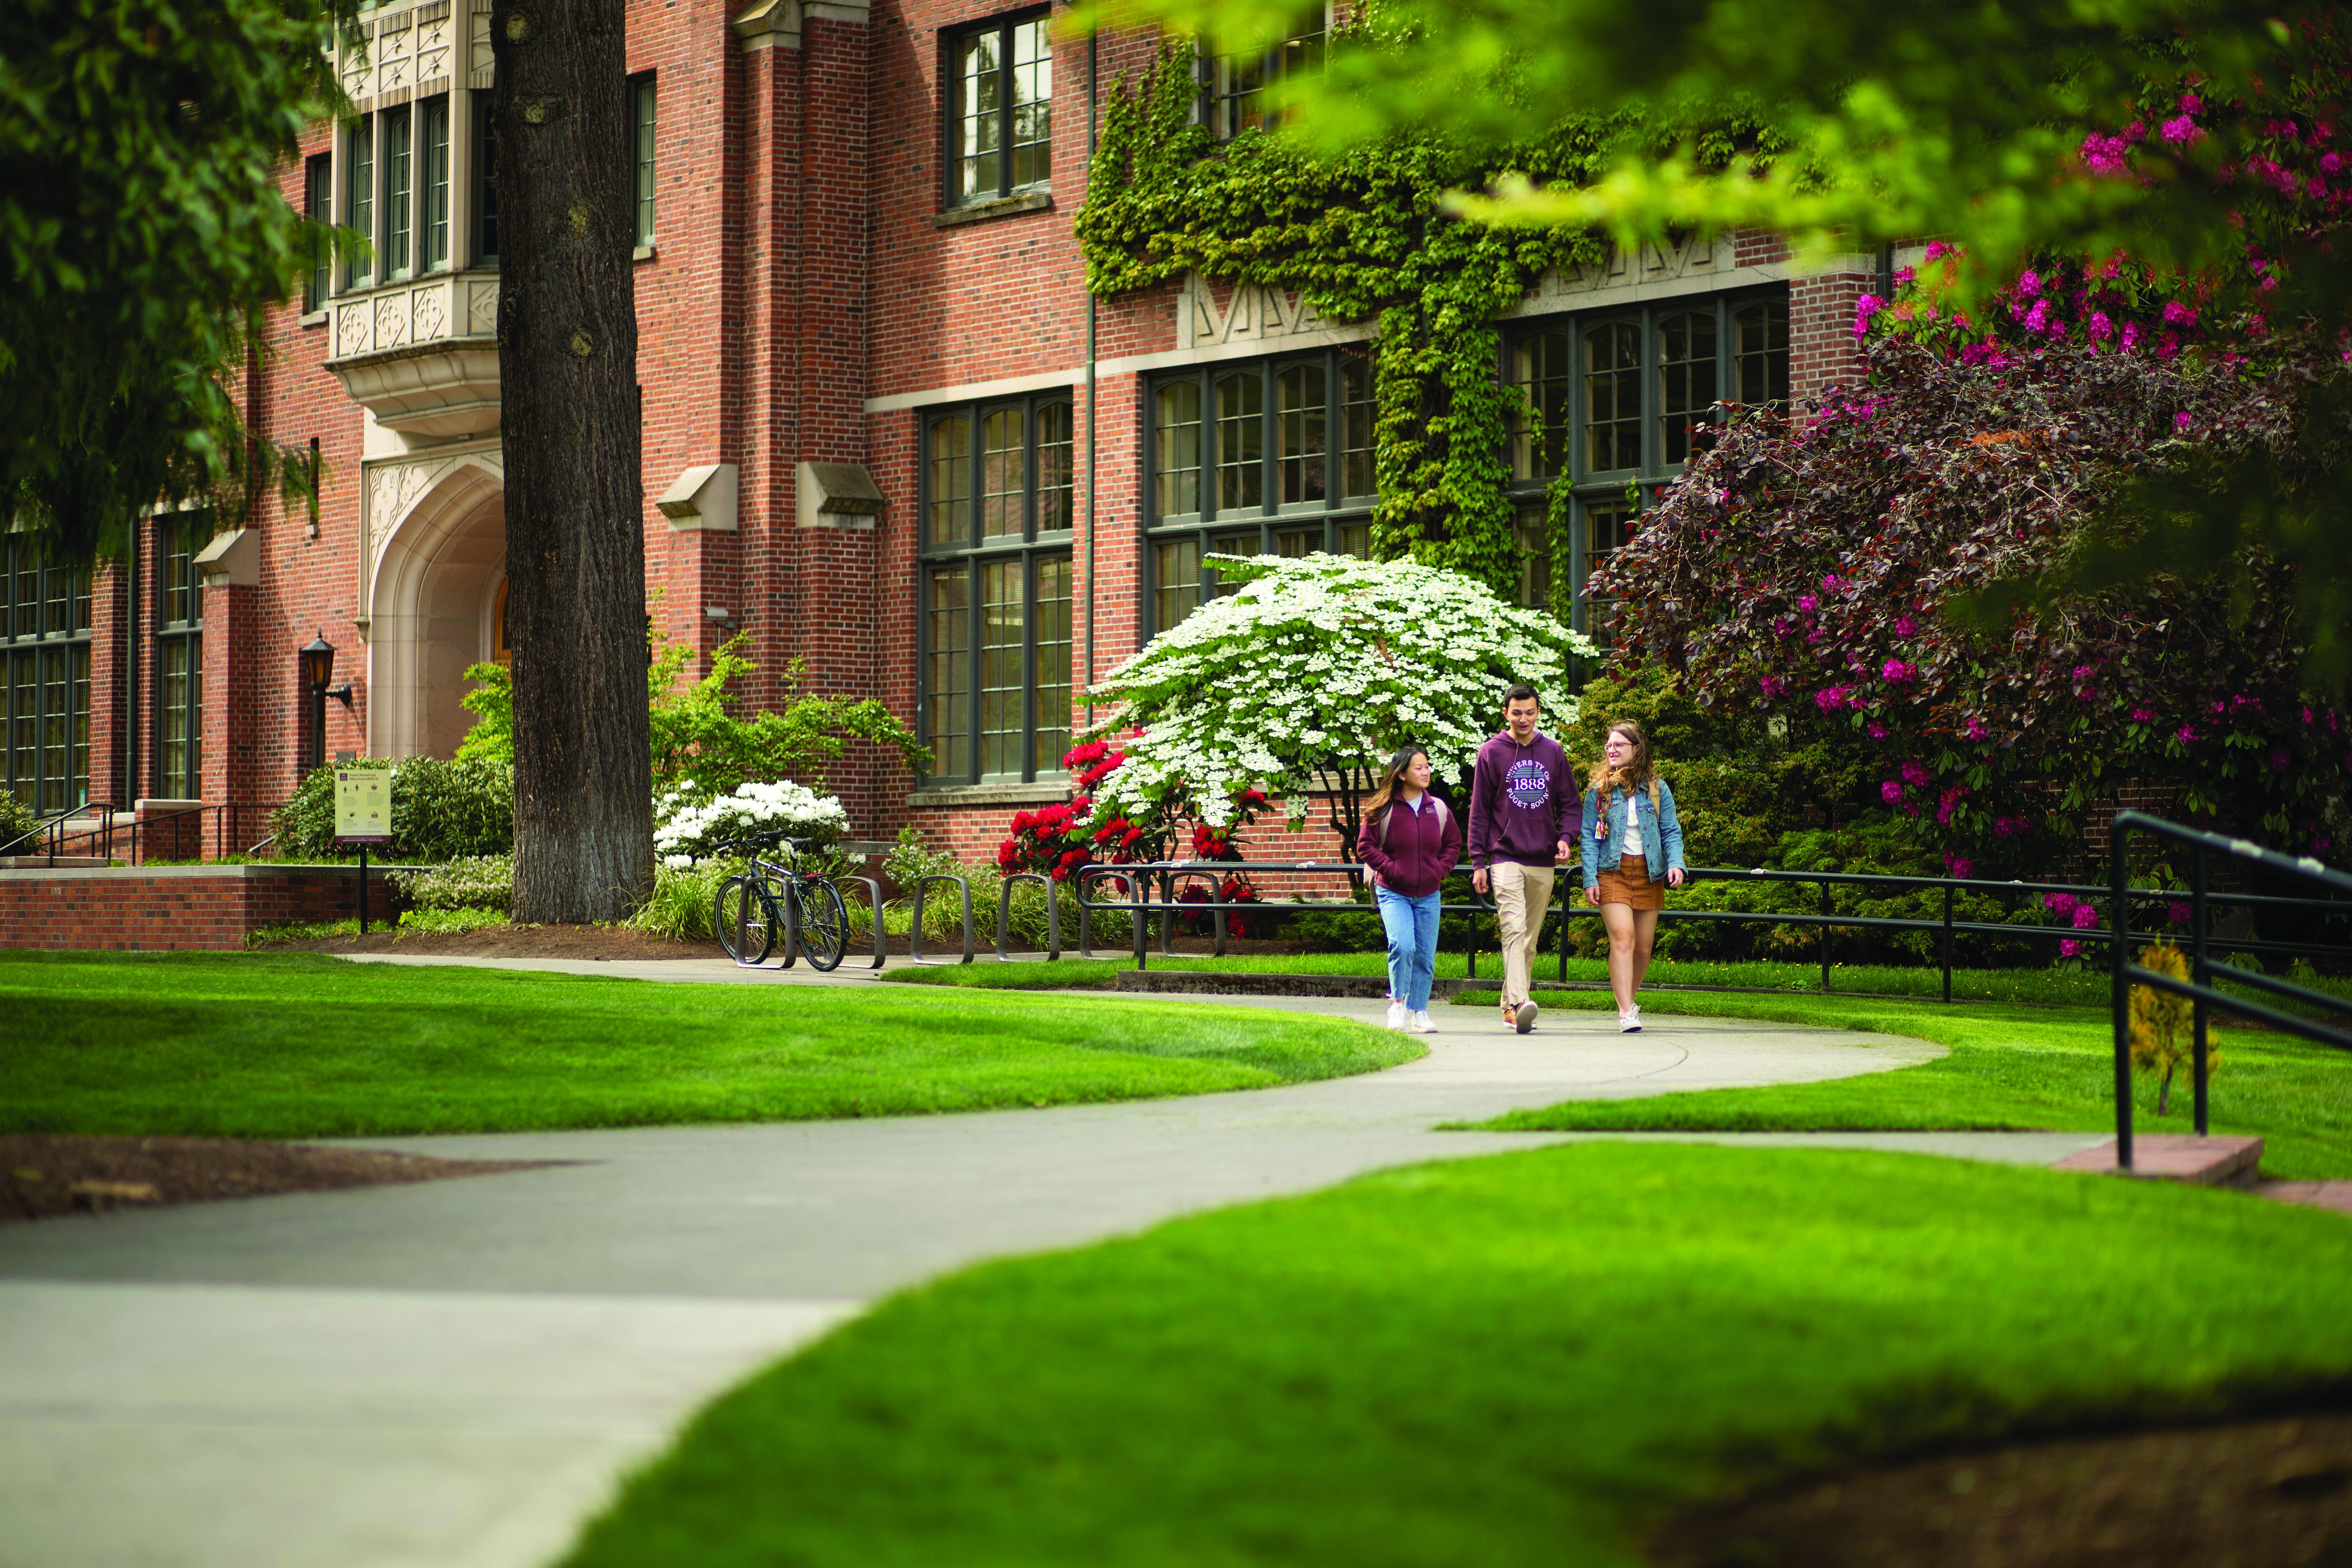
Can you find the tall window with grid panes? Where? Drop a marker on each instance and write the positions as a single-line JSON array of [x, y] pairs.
[[45, 623], [998, 127], [179, 662], [997, 504], [1233, 87], [1619, 398], [1257, 458]]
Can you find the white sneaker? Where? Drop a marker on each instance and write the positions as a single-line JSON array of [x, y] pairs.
[[1396, 1015], [1525, 1017], [1419, 1024], [1629, 1022]]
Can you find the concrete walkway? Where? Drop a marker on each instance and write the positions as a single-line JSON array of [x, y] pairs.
[[455, 1374]]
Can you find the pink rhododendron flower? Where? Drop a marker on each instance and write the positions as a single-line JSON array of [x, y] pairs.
[[1958, 865], [2181, 130], [2037, 319], [2331, 165], [1913, 773], [2131, 337], [2191, 104], [2069, 948], [1895, 672], [2181, 422], [1904, 627], [1806, 601], [2178, 314], [2029, 283], [2060, 903], [2099, 329], [2143, 716], [1878, 732], [1891, 793], [2086, 917], [1869, 305], [2186, 734], [1974, 730], [2008, 826], [2178, 912]]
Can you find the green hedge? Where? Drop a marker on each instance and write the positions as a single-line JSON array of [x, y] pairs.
[[441, 810]]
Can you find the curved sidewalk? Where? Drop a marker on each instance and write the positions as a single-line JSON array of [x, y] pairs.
[[454, 1374]]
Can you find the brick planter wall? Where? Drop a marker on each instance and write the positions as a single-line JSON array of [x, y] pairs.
[[173, 908]]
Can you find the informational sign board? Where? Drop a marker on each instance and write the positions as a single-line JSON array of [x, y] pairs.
[[363, 806]]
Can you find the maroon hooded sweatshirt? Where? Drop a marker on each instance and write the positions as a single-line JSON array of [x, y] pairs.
[[1421, 846], [1523, 802]]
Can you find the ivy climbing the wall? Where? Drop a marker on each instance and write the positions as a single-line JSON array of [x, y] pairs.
[[1365, 236]]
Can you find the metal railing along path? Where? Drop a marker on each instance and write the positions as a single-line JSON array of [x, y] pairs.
[[2203, 970]]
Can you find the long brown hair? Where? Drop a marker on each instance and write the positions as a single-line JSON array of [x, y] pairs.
[[1397, 765], [1641, 773]]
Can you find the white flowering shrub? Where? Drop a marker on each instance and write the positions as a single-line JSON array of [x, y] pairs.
[[470, 882], [1304, 681], [685, 831]]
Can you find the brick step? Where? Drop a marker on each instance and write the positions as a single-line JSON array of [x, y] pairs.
[[2332, 1195], [27, 862], [2178, 1157]]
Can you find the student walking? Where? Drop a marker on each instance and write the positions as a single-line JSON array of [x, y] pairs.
[[1523, 819], [1411, 841], [1630, 831]]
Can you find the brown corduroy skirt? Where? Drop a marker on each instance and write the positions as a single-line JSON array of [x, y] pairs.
[[1631, 883]]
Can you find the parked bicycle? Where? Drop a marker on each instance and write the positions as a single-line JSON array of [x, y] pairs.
[[779, 898]]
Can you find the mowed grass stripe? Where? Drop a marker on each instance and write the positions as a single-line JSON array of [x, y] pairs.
[[1521, 1359], [300, 1046], [2009, 1068]]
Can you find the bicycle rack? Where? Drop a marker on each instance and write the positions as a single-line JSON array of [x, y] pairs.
[[743, 908], [1004, 914], [1175, 911], [874, 902], [915, 930], [1086, 910]]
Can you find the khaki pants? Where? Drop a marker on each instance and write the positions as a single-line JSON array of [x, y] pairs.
[[1522, 899]]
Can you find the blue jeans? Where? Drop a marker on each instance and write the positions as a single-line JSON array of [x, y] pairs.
[[1412, 928]]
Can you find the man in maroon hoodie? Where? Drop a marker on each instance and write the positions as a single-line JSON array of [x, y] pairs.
[[1524, 813]]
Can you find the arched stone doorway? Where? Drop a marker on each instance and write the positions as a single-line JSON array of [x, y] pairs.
[[433, 602]]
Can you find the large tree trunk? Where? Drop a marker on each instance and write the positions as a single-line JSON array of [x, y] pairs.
[[575, 545]]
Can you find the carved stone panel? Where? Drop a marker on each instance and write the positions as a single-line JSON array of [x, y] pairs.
[[393, 61], [1208, 314], [433, 39], [432, 312]]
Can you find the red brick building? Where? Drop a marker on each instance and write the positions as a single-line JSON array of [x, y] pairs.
[[886, 432]]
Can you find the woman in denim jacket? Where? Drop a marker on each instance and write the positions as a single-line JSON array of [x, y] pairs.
[[1630, 831]]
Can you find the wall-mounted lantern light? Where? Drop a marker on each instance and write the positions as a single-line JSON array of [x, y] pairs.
[[318, 664]]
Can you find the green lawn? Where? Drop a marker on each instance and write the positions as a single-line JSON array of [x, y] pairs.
[[2063, 987], [1516, 1359], [304, 1046], [2009, 1067]]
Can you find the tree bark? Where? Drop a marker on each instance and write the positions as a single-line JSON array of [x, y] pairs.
[[568, 387]]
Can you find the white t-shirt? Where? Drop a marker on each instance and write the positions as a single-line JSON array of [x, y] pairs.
[[1631, 843]]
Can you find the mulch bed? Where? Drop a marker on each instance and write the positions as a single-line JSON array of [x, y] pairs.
[[2253, 1494], [44, 1175]]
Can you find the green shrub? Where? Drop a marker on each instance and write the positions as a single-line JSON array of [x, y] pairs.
[[678, 907], [16, 821], [441, 810], [476, 882]]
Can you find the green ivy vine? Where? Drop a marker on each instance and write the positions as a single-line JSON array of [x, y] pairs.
[[1364, 237]]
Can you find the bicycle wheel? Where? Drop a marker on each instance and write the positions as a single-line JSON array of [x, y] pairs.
[[741, 902], [824, 924]]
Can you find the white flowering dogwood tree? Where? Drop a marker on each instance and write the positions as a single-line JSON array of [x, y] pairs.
[[686, 830], [1302, 682]]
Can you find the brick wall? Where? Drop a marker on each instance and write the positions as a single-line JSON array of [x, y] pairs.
[[158, 910]]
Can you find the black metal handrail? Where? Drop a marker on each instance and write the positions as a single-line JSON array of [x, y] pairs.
[[1141, 877], [226, 829], [2199, 988]]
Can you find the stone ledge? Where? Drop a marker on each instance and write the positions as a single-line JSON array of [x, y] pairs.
[[1045, 791], [2177, 1157], [248, 870], [1028, 201]]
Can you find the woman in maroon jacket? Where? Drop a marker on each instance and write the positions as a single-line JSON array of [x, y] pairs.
[[1411, 841]]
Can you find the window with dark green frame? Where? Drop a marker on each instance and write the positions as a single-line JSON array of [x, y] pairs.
[[1621, 399], [1233, 87], [484, 194], [395, 155], [180, 656], [641, 153], [998, 134], [1269, 456], [433, 183], [996, 502], [358, 200], [319, 206], [45, 651]]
